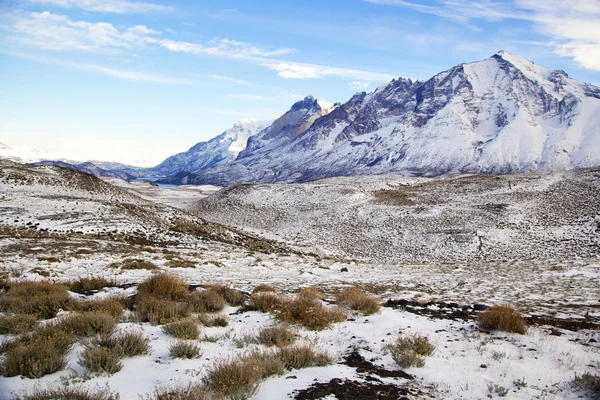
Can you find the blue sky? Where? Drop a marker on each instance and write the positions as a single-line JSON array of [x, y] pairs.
[[136, 81]]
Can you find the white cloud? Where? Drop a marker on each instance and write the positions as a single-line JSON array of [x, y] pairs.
[[359, 85], [295, 70], [226, 78], [108, 6], [573, 27]]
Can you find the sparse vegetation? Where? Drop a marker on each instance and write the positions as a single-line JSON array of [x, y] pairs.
[[163, 286], [184, 349], [310, 313], [111, 306], [265, 301], [298, 357], [17, 324], [410, 350], [88, 323], [180, 263], [189, 392], [263, 288], [278, 335], [134, 263], [159, 311], [504, 318], [356, 299], [311, 293], [42, 299], [67, 393], [90, 285], [186, 329], [101, 360], [215, 320], [233, 297], [125, 343], [588, 383], [206, 301]]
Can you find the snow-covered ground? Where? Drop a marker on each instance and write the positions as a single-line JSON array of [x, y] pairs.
[[467, 363]]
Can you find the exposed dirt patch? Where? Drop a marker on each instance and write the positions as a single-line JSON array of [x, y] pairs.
[[355, 360], [353, 390]]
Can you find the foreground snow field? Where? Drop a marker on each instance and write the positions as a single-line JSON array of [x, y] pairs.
[[560, 297]]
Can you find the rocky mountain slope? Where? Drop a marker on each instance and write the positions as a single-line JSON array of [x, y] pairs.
[[221, 150], [395, 219], [500, 115], [87, 167]]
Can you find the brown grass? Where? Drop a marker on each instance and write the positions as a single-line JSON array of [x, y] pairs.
[[17, 324], [164, 286], [277, 335], [312, 293], [263, 288], [180, 392], [310, 313], [233, 297], [87, 324], [180, 263], [216, 320], [42, 299], [66, 393], [356, 299], [504, 318], [186, 329], [589, 383], [206, 301], [134, 263], [125, 343], [90, 285], [111, 306], [160, 311], [100, 360], [184, 349], [410, 350], [235, 379], [265, 301]]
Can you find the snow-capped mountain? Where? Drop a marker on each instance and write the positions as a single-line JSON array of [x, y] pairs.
[[504, 114], [220, 150], [25, 154]]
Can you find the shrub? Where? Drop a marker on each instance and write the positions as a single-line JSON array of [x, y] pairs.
[[125, 344], [159, 311], [186, 329], [67, 393], [41, 353], [356, 299], [111, 306], [42, 299], [163, 286], [134, 263], [298, 357], [312, 293], [100, 359], [410, 350], [504, 318], [278, 335], [263, 288], [217, 320], [88, 323], [589, 383], [310, 313], [234, 379], [90, 285], [184, 349], [180, 263], [206, 301], [233, 297], [17, 324], [265, 301], [266, 363], [189, 392]]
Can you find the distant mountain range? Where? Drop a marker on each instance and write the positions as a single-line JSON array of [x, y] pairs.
[[504, 114]]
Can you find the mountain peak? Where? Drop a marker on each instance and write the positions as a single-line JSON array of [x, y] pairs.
[[307, 103], [245, 122]]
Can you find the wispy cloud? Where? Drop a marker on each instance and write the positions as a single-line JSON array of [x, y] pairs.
[[296, 70], [359, 85], [573, 27], [220, 47], [108, 6], [109, 71], [226, 78]]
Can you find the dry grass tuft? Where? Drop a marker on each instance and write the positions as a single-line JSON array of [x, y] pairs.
[[111, 306], [589, 383], [216, 320], [235, 379], [67, 393], [180, 263], [17, 324], [43, 299], [90, 285], [88, 324], [312, 293], [265, 301], [263, 288], [100, 360], [184, 349], [160, 311], [41, 353], [410, 350], [277, 335], [164, 286], [233, 297], [134, 263], [310, 313], [298, 357], [189, 392], [206, 301], [504, 318], [356, 299], [125, 344], [186, 329]]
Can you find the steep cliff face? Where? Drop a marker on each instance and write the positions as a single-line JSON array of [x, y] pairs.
[[503, 114]]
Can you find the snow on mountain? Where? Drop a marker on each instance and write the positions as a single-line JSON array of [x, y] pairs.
[[503, 114], [25, 154], [220, 150]]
